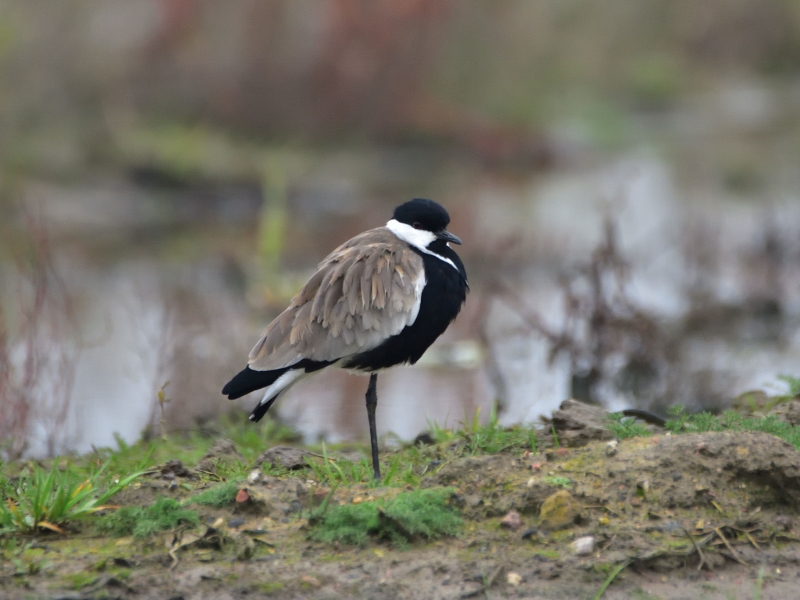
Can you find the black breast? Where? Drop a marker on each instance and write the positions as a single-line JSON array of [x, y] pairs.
[[444, 293]]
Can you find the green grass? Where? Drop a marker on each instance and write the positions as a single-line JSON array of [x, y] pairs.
[[610, 579], [558, 481], [682, 422], [218, 496], [164, 514], [81, 579], [409, 515], [42, 499], [625, 427], [488, 438], [251, 439]]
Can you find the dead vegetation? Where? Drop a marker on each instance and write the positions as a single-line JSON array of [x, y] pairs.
[[38, 348], [618, 349]]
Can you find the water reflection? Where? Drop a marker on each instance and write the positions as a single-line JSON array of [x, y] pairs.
[[146, 319]]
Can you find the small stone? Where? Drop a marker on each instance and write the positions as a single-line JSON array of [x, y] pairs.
[[175, 468], [583, 546], [284, 456], [235, 522], [643, 485], [513, 578], [242, 496], [536, 466], [611, 448], [559, 510], [529, 533], [358, 500], [222, 449], [254, 476], [474, 500], [511, 521], [604, 521]]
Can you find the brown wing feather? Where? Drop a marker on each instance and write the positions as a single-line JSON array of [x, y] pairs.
[[363, 292]]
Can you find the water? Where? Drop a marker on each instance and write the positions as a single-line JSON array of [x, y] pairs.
[[180, 315]]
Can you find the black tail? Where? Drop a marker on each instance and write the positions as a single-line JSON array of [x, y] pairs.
[[248, 380]]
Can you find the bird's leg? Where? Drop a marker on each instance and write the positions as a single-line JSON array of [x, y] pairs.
[[372, 403]]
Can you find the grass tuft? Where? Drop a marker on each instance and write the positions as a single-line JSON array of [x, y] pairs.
[[681, 422], [218, 496], [625, 427], [419, 514], [164, 514], [41, 499]]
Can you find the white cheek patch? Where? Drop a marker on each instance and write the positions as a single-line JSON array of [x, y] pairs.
[[419, 238]]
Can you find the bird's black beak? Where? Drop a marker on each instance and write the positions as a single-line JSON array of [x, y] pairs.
[[448, 237]]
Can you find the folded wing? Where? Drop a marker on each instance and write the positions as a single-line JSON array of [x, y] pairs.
[[364, 292]]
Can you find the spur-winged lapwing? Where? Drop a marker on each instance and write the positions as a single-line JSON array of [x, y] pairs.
[[376, 301]]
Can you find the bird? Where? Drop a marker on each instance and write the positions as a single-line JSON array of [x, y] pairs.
[[377, 301]]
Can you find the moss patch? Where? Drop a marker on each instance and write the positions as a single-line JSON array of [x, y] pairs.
[[218, 496], [164, 514], [419, 514]]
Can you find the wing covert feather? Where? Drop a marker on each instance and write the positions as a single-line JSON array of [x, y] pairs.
[[363, 292]]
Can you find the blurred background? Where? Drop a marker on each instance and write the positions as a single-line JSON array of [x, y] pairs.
[[624, 176]]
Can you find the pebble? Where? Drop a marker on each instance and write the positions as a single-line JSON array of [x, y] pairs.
[[511, 521], [583, 546], [254, 476], [513, 578], [559, 511], [236, 522], [611, 448]]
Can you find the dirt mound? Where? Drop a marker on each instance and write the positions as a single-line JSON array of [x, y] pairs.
[[737, 471], [691, 515]]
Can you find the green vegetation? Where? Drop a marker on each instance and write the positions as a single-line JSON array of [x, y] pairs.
[[421, 513], [250, 440], [408, 465], [558, 481], [610, 579], [164, 514], [681, 422], [489, 438], [81, 579], [218, 496], [793, 384], [41, 499], [625, 427]]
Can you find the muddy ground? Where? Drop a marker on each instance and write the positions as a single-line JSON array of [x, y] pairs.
[[710, 515]]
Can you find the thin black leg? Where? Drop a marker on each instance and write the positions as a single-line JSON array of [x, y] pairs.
[[372, 403]]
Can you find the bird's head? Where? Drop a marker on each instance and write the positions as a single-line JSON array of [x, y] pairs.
[[422, 222]]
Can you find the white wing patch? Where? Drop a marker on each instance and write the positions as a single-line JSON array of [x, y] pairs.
[[419, 285]]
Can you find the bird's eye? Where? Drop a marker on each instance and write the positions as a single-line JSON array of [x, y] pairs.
[[417, 225]]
